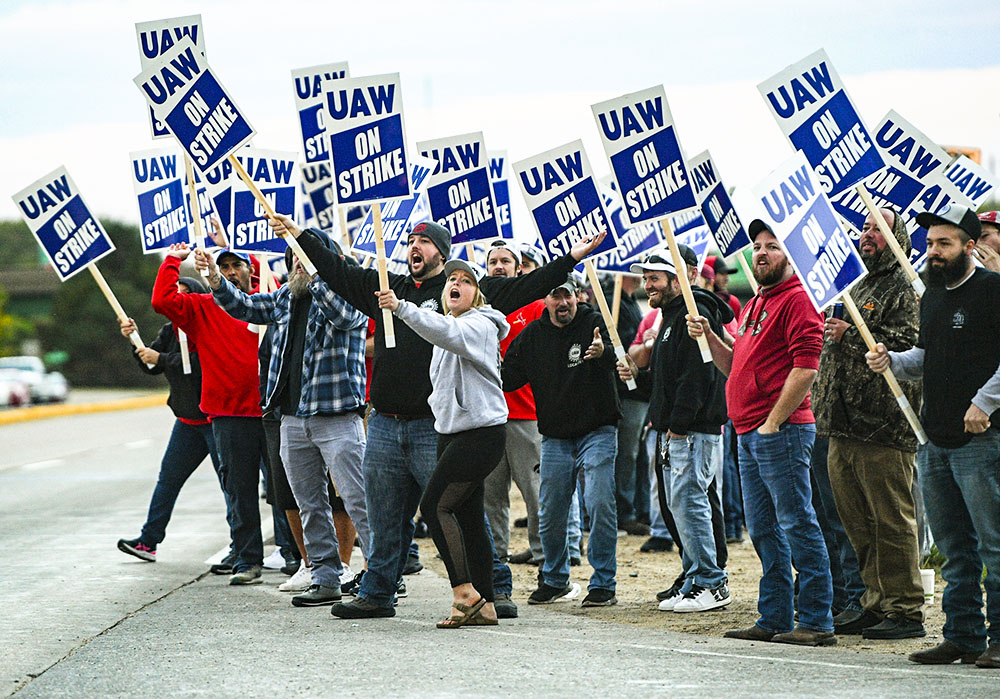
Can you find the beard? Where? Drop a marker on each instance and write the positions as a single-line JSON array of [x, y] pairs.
[[432, 262], [947, 272], [772, 276], [298, 284], [870, 258]]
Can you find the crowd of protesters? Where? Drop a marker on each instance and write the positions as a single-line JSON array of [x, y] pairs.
[[505, 376]]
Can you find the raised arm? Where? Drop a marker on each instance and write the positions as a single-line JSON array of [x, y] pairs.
[[167, 300]]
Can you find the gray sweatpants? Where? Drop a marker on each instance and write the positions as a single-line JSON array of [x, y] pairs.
[[314, 449], [522, 454]]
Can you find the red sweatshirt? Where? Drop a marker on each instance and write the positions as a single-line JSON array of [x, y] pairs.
[[779, 329], [227, 348], [521, 403]]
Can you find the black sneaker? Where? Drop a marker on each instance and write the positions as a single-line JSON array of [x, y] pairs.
[[135, 547], [413, 565], [292, 565], [599, 597], [506, 609], [546, 594], [657, 544], [668, 593], [225, 566], [401, 588], [351, 587], [893, 628], [317, 596], [360, 608]]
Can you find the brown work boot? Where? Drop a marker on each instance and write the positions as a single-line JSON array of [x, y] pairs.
[[991, 658], [801, 636], [944, 653], [754, 633]]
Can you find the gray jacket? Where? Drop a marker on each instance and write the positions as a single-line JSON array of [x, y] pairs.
[[465, 365]]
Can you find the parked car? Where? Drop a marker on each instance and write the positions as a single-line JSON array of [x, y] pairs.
[[43, 386], [14, 391]]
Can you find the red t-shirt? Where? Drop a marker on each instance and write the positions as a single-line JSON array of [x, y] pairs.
[[647, 322], [368, 363], [779, 329], [521, 403]]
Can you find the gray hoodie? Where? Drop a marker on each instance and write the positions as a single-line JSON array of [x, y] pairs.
[[465, 365]]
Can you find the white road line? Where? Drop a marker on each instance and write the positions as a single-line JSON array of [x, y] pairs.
[[138, 444], [40, 465]]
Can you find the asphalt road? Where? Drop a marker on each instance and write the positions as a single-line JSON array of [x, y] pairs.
[[81, 619]]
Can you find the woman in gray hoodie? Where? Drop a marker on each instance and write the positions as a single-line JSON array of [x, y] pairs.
[[469, 416]]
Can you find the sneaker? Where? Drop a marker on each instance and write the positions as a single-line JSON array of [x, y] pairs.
[[657, 544], [360, 608], [634, 527], [546, 594], [317, 596], [701, 599], [225, 566], [673, 596], [401, 588], [347, 575], [413, 565], [250, 576], [851, 622], [599, 597], [521, 523], [352, 586], [301, 581], [506, 609], [275, 561], [291, 565], [668, 593], [135, 547]]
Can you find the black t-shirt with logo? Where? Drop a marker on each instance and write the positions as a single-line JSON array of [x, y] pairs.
[[960, 335]]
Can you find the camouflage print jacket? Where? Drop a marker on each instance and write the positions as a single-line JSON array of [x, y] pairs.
[[849, 400]]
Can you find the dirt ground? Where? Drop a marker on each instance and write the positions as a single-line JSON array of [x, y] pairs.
[[642, 575]]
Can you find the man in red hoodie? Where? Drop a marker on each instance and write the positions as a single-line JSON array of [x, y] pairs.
[[230, 394], [771, 366]]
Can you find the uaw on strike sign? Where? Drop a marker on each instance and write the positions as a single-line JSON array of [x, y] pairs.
[[805, 224], [62, 223], [155, 39]]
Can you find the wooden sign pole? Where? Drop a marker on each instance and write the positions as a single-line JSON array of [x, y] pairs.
[[602, 303], [383, 275], [195, 208], [117, 307], [897, 391], [915, 281], [259, 196], [182, 338], [616, 299], [682, 278]]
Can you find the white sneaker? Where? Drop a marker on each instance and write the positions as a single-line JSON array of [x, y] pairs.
[[701, 599], [275, 561], [347, 576], [300, 582], [669, 603]]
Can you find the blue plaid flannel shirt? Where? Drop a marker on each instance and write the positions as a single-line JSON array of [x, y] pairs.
[[333, 368]]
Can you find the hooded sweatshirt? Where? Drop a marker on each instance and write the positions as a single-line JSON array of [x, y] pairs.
[[465, 365], [848, 399], [573, 396]]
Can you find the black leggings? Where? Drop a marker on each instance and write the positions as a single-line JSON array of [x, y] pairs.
[[453, 508]]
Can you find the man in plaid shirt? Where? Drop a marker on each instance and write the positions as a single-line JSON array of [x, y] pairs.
[[316, 381]]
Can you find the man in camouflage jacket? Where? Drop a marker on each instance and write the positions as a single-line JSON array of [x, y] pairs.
[[872, 447]]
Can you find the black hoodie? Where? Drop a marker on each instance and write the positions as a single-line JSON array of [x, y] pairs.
[[573, 396], [687, 394]]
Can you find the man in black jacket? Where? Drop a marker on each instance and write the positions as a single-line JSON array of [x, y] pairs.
[[687, 408], [562, 356], [402, 445]]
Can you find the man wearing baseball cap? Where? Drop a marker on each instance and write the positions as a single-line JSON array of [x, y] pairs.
[[958, 357], [771, 367], [988, 245], [401, 451], [230, 394]]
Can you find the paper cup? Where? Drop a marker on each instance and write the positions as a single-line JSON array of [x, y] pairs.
[[927, 580]]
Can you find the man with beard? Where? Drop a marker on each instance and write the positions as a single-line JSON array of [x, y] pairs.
[[687, 408], [316, 380], [230, 397], [872, 448], [522, 451], [402, 444], [958, 356], [771, 366]]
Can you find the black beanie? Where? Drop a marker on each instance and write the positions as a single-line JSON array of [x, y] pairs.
[[194, 286], [328, 242], [438, 234]]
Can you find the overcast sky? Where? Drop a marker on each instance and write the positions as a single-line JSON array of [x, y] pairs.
[[524, 73]]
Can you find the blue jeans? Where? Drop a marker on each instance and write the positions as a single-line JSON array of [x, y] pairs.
[[629, 427], [692, 470], [399, 459], [562, 459], [187, 448], [241, 446], [961, 489], [844, 571], [732, 493], [657, 525], [777, 501]]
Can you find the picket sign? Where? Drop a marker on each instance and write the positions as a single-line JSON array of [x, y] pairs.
[[609, 322], [890, 240], [120, 313], [383, 274], [199, 234], [182, 338], [262, 200], [616, 299]]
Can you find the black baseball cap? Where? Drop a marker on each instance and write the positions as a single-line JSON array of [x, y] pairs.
[[953, 215], [757, 226]]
